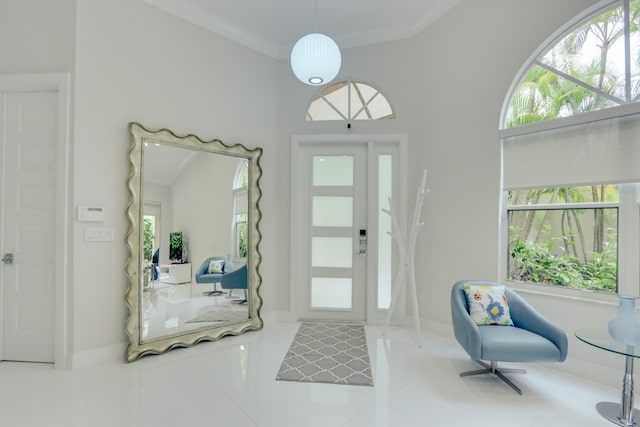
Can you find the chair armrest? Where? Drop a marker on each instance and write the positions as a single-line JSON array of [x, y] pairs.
[[524, 316], [464, 329], [236, 279]]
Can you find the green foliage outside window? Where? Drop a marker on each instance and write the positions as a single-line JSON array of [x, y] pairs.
[[148, 238], [539, 262], [571, 247], [241, 235]]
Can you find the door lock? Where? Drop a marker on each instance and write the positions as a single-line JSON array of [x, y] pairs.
[[7, 258], [363, 243]]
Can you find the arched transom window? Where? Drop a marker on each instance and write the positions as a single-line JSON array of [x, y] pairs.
[[593, 66], [349, 100]]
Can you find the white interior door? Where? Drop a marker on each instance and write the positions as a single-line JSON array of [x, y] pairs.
[[333, 213], [28, 128]]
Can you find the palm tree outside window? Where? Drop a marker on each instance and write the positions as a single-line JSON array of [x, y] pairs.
[[574, 103]]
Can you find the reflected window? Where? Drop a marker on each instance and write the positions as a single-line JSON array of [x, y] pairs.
[[349, 100], [240, 209]]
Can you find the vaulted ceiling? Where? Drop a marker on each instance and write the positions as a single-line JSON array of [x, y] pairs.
[[273, 26]]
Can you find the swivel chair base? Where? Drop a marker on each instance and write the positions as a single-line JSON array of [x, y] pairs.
[[214, 292], [493, 369]]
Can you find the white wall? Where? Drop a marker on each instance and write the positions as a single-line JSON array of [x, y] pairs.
[[206, 186], [465, 86], [136, 63], [36, 36], [447, 86]]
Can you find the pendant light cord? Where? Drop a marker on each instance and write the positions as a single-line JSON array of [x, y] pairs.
[[316, 16]]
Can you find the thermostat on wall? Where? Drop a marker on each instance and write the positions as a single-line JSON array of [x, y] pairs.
[[91, 213]]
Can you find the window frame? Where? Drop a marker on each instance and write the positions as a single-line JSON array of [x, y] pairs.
[[349, 115], [628, 270], [627, 108]]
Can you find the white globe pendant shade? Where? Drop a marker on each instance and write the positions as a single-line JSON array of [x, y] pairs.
[[315, 59]]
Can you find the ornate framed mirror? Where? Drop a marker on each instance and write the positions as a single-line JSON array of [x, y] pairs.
[[193, 240]]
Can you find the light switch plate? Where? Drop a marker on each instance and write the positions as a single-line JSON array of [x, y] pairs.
[[102, 234]]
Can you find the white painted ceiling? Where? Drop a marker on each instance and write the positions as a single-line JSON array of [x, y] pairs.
[[273, 26]]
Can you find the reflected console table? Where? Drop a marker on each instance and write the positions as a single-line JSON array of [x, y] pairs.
[[622, 414], [175, 273]]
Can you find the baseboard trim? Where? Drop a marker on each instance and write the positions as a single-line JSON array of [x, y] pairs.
[[83, 359]]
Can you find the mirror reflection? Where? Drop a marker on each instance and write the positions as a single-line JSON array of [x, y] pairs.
[[194, 239]]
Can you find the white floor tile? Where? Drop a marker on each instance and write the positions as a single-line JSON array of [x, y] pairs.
[[231, 382]]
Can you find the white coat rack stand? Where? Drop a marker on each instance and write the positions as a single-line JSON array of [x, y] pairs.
[[406, 257]]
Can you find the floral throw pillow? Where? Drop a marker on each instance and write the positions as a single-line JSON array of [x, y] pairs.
[[216, 266], [488, 305]]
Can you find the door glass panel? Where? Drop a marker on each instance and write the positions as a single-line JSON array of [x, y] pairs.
[[332, 211], [385, 181], [333, 171], [331, 292], [331, 252]]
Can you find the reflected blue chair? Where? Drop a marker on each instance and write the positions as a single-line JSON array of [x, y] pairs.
[[533, 338], [203, 276], [236, 279]]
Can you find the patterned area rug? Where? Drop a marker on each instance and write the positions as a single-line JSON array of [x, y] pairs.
[[220, 316], [334, 353]]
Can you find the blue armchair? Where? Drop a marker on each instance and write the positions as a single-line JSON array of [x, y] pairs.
[[203, 276], [236, 279], [532, 338]]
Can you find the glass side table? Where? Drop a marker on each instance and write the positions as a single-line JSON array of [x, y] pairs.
[[622, 414]]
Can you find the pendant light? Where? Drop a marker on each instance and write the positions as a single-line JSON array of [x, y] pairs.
[[315, 58]]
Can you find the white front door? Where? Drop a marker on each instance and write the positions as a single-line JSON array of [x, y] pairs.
[[341, 252], [29, 135], [333, 212]]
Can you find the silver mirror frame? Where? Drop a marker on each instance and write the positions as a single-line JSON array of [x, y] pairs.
[[137, 348]]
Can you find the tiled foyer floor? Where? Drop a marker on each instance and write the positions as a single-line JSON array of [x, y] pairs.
[[232, 383]]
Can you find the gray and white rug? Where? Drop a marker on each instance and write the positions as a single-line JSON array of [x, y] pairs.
[[334, 353], [220, 316]]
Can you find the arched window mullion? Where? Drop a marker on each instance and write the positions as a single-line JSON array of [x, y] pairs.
[[545, 101], [580, 82], [365, 104], [343, 103], [627, 49], [334, 108]]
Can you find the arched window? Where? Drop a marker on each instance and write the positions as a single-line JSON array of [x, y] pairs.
[[569, 137], [240, 205], [349, 100], [594, 65]]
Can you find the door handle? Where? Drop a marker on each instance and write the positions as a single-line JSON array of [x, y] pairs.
[[7, 258], [363, 243]]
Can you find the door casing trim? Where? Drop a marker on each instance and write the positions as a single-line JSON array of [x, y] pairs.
[[298, 141], [60, 83]]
